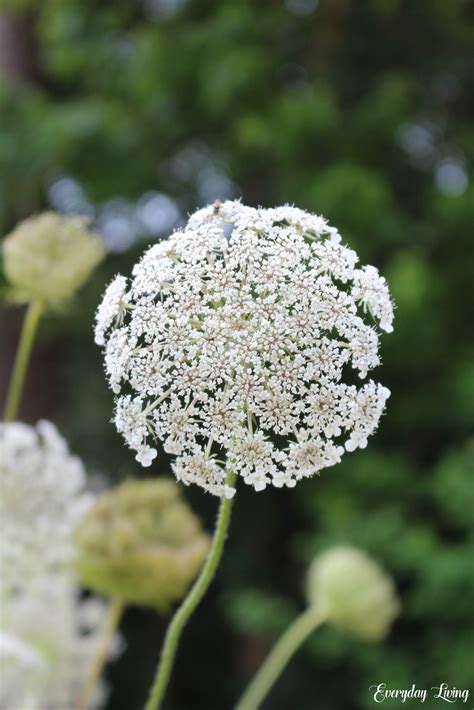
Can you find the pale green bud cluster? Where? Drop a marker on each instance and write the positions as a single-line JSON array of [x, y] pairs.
[[142, 543], [49, 257], [353, 592]]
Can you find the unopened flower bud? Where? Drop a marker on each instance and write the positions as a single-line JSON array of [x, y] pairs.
[[142, 543], [48, 257], [353, 591]]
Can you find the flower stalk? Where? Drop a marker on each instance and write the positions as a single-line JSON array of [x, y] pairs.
[[28, 332], [302, 627], [191, 601], [346, 589], [112, 621]]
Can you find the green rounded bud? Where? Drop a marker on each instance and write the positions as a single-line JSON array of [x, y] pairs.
[[142, 543], [353, 592], [48, 257]]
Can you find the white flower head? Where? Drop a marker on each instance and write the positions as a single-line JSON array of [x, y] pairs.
[[49, 257], [42, 499], [44, 660], [48, 634], [353, 592], [234, 343]]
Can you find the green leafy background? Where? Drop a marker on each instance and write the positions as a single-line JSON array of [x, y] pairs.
[[362, 111]]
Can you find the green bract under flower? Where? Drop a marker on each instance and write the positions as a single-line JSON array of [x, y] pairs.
[[353, 592], [49, 257], [141, 543]]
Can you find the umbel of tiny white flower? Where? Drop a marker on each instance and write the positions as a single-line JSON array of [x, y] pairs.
[[47, 641], [235, 341], [352, 592], [42, 499], [48, 257], [141, 543]]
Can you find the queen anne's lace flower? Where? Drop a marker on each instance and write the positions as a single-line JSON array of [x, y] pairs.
[[141, 543], [48, 634], [233, 341], [42, 499], [47, 642], [353, 592], [49, 256]]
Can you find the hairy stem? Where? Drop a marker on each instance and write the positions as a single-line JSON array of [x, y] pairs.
[[114, 614], [191, 601], [279, 656], [28, 331]]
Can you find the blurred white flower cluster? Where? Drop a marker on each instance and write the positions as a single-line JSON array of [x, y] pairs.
[[353, 592], [48, 636], [42, 499], [48, 257], [47, 633], [244, 325]]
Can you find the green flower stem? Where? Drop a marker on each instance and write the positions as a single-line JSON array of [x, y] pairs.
[[190, 603], [28, 331], [302, 627], [114, 614]]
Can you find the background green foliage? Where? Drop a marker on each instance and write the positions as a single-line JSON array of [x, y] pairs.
[[362, 111]]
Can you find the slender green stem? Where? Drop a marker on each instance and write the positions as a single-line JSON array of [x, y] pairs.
[[279, 656], [28, 331], [114, 614], [190, 603]]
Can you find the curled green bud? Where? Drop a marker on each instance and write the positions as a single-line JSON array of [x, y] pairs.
[[141, 543], [48, 257], [353, 592]]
